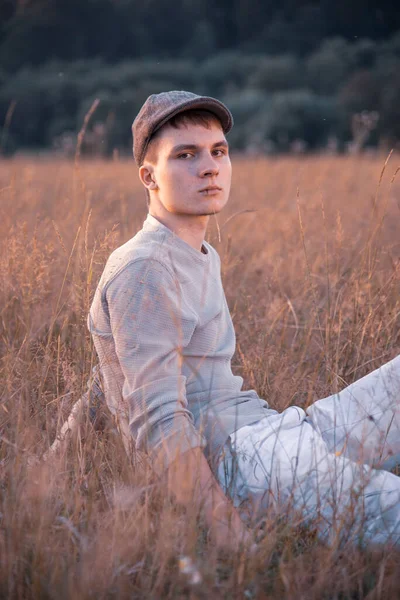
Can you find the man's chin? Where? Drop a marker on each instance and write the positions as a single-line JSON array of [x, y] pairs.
[[209, 210], [204, 211]]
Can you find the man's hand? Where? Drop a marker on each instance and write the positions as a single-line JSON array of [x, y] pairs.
[[192, 482], [227, 528]]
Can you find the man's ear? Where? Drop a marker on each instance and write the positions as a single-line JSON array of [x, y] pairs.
[[146, 174]]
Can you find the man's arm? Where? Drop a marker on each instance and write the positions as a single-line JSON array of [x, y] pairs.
[[150, 325]]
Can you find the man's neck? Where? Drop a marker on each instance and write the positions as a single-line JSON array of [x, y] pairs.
[[191, 229]]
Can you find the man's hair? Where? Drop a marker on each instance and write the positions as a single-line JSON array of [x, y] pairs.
[[193, 116]]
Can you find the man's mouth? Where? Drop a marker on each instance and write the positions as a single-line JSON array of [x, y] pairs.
[[211, 190]]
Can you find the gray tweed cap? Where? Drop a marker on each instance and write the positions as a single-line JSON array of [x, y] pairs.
[[159, 108]]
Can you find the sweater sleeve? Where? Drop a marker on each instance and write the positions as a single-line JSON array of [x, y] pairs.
[[151, 324]]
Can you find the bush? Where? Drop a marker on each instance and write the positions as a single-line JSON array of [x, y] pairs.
[[178, 74], [32, 110], [329, 66], [390, 113], [364, 54], [245, 107], [361, 92], [227, 69], [391, 47], [278, 73], [297, 115]]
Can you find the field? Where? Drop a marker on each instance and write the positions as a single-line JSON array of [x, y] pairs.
[[310, 252]]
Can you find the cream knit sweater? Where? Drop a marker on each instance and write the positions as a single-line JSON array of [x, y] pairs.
[[165, 339]]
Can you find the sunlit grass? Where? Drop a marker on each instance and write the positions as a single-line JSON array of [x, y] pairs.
[[311, 274]]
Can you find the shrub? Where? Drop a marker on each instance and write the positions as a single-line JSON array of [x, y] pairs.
[[297, 115], [245, 107], [227, 69], [329, 66], [277, 73], [360, 92]]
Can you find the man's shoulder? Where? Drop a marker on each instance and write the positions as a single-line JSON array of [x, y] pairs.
[[141, 252]]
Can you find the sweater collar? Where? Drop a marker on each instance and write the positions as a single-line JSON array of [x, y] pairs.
[[153, 224]]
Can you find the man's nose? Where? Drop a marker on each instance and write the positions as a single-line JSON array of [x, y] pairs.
[[209, 167]]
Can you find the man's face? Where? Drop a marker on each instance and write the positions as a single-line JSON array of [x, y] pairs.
[[190, 159]]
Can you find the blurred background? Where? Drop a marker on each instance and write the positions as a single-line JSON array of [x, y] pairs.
[[299, 76]]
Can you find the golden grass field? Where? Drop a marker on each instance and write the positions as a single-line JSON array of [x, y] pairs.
[[312, 279]]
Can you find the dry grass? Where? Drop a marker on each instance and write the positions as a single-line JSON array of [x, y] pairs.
[[312, 280]]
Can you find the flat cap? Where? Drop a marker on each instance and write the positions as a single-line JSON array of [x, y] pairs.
[[159, 108]]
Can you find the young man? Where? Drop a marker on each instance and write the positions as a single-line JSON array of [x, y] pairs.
[[164, 338]]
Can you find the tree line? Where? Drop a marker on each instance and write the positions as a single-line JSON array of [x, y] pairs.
[[34, 31], [294, 74]]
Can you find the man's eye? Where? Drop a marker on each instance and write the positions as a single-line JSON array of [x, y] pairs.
[[184, 154], [222, 151]]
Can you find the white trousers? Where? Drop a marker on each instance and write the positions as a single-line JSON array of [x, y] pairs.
[[328, 465]]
